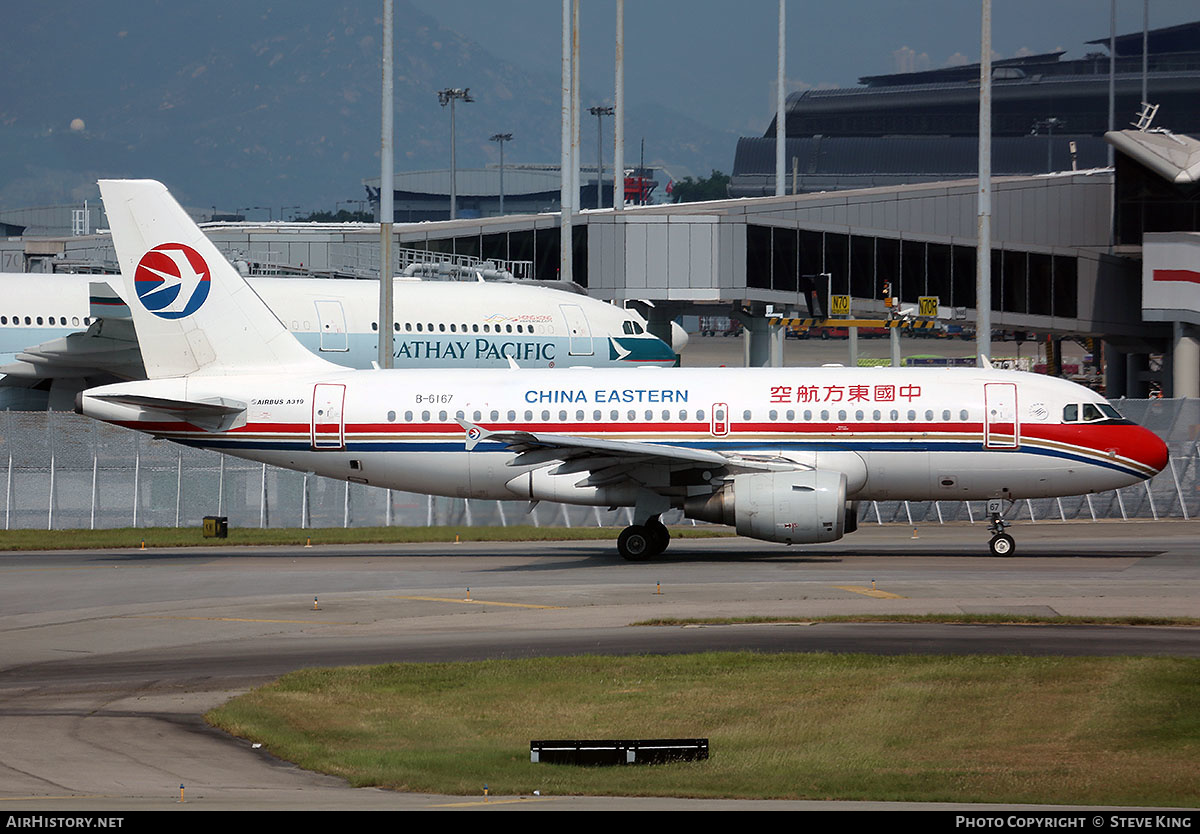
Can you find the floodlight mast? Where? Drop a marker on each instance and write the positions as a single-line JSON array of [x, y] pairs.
[[449, 96], [501, 138], [600, 112]]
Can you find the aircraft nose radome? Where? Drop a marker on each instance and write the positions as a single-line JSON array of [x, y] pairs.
[[1147, 447]]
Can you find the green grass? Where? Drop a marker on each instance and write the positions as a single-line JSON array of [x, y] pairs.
[[1089, 731], [191, 537], [985, 619]]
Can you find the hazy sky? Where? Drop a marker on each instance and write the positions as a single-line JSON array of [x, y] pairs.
[[715, 59]]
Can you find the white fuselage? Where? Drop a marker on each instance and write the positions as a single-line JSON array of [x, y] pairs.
[[914, 434], [438, 324]]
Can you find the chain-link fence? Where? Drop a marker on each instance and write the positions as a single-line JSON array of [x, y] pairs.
[[62, 471]]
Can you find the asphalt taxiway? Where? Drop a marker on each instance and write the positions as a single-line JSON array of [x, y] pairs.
[[111, 657]]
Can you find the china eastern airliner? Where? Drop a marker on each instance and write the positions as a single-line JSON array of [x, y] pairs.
[[781, 454]]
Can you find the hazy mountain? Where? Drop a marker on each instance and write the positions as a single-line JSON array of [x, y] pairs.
[[234, 103]]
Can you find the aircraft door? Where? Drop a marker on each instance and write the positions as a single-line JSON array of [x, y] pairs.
[[331, 318], [720, 419], [1001, 426], [328, 427], [578, 329]]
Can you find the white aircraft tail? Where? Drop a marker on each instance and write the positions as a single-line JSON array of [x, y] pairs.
[[192, 310]]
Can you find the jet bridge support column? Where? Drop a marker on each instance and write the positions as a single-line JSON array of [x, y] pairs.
[[1185, 360], [761, 350], [1115, 382], [1137, 367]]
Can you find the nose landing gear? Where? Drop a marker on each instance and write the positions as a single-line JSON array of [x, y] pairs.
[[1002, 544]]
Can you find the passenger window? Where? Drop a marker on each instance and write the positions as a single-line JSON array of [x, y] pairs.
[[562, 416], [528, 415], [773, 415], [391, 416], [579, 415], [791, 414], [424, 416], [396, 326], [746, 415], [946, 416], [877, 414], [632, 415], [928, 414], [546, 416], [824, 415], [495, 414], [683, 414], [408, 416], [895, 415], [614, 415], [912, 415], [858, 415], [807, 415], [700, 414], [442, 416], [963, 415], [597, 415]]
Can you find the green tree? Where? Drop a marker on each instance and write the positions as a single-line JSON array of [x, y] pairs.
[[688, 190], [342, 216]]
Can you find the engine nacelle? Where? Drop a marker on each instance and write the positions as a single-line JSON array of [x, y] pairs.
[[802, 507]]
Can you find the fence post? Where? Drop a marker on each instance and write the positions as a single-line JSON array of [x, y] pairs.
[[8, 495], [262, 500], [95, 468], [178, 485], [221, 488], [137, 475], [1178, 490], [304, 503], [346, 507], [50, 508]]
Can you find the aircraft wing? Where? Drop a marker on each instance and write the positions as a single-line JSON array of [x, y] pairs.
[[108, 348], [611, 461]]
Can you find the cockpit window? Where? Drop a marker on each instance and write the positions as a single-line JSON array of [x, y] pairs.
[[1089, 413], [632, 328]]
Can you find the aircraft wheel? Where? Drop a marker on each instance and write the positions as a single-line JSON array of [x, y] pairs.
[[660, 536], [1002, 545], [635, 544]]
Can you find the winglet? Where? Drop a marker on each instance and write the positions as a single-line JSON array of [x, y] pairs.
[[984, 362], [475, 433], [512, 364]]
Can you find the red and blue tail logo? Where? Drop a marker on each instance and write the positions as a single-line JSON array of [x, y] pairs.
[[172, 280]]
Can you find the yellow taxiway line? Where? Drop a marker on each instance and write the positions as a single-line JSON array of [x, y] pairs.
[[867, 592]]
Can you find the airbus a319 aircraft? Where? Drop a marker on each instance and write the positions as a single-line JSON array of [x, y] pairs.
[[782, 454], [69, 332]]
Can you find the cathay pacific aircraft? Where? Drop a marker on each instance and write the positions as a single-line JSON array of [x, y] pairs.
[[781, 454], [63, 333]]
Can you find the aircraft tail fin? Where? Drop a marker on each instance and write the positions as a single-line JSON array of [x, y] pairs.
[[192, 310]]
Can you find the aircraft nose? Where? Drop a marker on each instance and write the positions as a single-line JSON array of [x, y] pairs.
[[1146, 448]]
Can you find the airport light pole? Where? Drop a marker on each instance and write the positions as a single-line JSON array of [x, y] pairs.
[[600, 112], [449, 96], [501, 138]]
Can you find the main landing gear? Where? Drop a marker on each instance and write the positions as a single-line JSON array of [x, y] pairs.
[[1002, 544], [642, 542]]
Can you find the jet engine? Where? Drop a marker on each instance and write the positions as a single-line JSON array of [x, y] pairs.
[[803, 507]]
